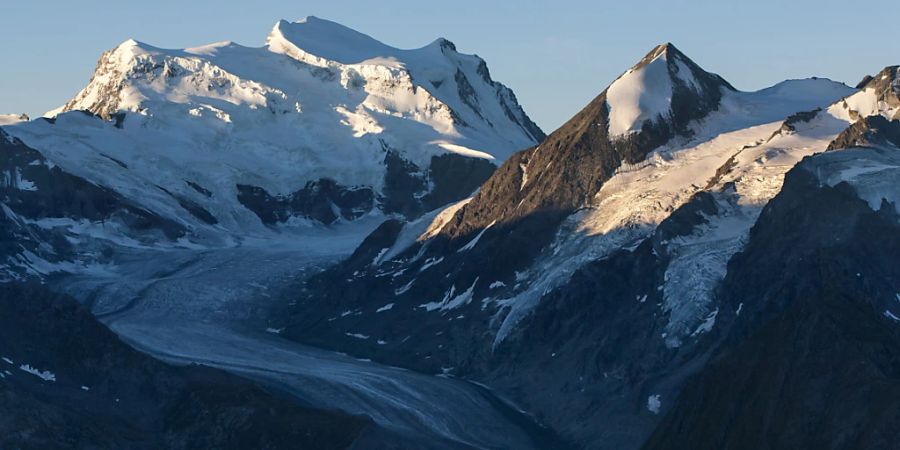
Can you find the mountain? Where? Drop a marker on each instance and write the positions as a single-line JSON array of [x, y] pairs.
[[584, 279], [813, 333], [383, 233], [322, 126], [291, 132], [182, 191]]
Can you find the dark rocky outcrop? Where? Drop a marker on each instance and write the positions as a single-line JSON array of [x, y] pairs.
[[808, 356], [868, 131], [789, 124], [107, 395], [323, 200], [411, 191]]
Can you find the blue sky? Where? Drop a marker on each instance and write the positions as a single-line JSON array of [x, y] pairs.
[[555, 55]]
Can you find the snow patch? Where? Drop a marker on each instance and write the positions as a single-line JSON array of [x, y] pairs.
[[45, 375], [471, 244], [654, 404], [638, 96]]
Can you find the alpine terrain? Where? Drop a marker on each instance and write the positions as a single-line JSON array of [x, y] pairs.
[[329, 242]]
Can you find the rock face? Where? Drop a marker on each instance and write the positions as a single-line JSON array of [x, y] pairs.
[[868, 131], [586, 279], [68, 382], [812, 333], [537, 188]]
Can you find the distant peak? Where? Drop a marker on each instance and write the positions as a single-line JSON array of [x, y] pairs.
[[319, 38], [663, 48], [443, 44], [666, 50]]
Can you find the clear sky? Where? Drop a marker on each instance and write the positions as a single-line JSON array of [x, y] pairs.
[[555, 55]]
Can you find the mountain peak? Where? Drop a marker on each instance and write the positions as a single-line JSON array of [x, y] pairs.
[[661, 49], [313, 40], [651, 89]]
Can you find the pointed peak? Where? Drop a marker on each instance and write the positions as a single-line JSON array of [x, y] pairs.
[[664, 48], [647, 91], [443, 44]]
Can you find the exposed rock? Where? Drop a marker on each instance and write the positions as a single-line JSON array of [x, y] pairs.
[[809, 354], [322, 200], [868, 131]]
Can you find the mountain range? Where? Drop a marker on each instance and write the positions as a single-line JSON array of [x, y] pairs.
[[379, 247]]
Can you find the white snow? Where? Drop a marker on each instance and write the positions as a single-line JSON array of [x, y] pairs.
[[45, 375], [630, 205], [472, 243], [7, 360], [299, 109], [442, 219], [638, 96], [357, 335], [14, 180], [451, 301], [873, 174], [10, 119], [863, 104], [402, 290], [384, 308], [431, 262], [653, 404], [707, 324]]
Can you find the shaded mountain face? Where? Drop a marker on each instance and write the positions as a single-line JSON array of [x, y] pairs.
[[598, 312], [66, 381], [531, 193], [45, 206], [809, 322]]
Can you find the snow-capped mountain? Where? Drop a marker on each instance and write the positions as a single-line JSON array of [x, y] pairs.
[[323, 123], [322, 126], [325, 212], [582, 279], [182, 191]]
